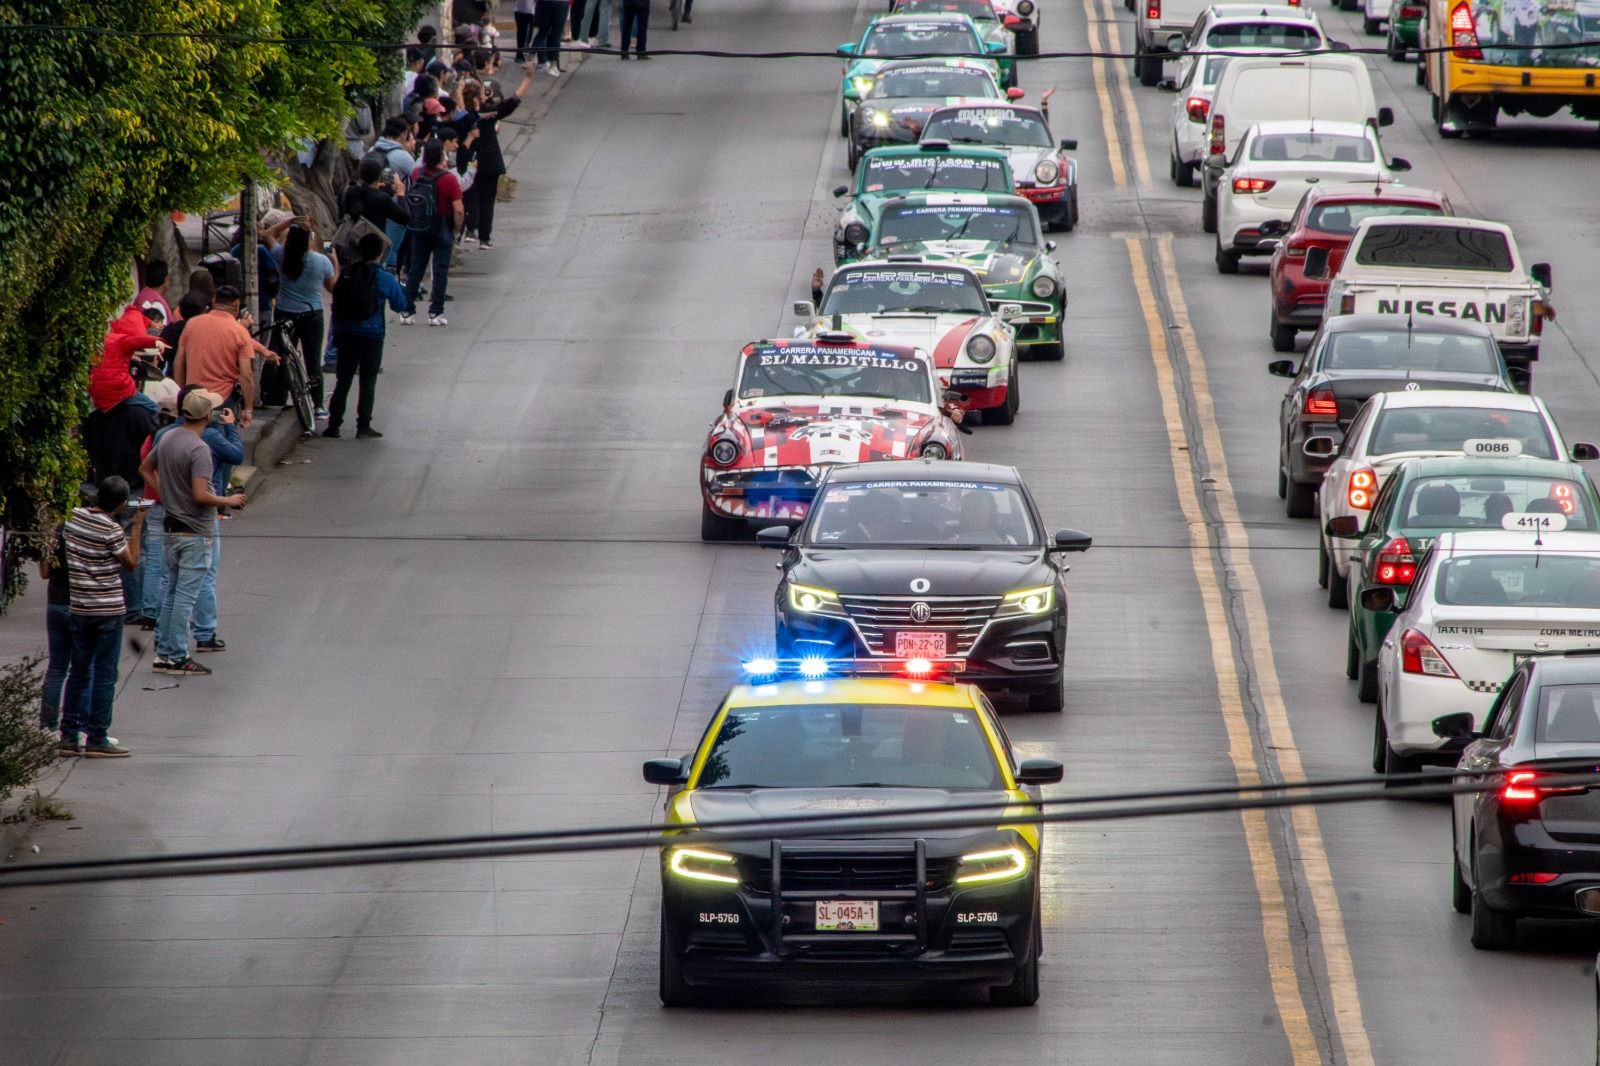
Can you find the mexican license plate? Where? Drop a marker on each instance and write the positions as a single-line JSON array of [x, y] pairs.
[[847, 916], [917, 644]]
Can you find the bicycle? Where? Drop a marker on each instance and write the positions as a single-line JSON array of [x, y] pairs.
[[280, 338]]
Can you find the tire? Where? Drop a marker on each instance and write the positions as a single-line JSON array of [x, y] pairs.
[[1182, 174], [1301, 501], [844, 119], [1147, 66], [1028, 43], [1397, 51], [1048, 700], [300, 391], [851, 156], [1352, 656], [1438, 119], [1227, 262], [1053, 352], [1072, 210], [715, 527], [1283, 483], [1006, 413], [1385, 760], [1324, 567], [1208, 214], [672, 988], [1338, 589], [1023, 991], [1370, 27], [1367, 682], [1460, 894], [1492, 930], [1283, 336]]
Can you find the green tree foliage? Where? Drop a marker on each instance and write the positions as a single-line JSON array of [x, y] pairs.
[[25, 749], [102, 132]]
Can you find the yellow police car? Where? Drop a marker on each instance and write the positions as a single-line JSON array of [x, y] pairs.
[[821, 907]]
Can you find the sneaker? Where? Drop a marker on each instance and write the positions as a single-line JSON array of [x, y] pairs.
[[322, 412], [368, 434], [181, 666], [406, 320], [438, 320], [486, 244], [332, 433], [67, 749], [147, 624], [594, 42], [214, 644], [552, 70], [108, 750], [143, 621], [469, 238], [578, 44]]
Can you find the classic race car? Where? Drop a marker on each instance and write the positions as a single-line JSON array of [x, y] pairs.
[[1043, 170], [939, 308], [902, 96], [894, 37], [885, 173], [798, 406], [998, 238]]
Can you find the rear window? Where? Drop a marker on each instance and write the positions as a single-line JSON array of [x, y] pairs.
[[1568, 714], [1515, 25], [1524, 579], [1446, 429], [1436, 248], [1286, 36], [1396, 350], [1471, 502], [1344, 218], [1311, 148]]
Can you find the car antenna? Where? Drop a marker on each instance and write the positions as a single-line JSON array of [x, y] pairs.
[[1410, 321]]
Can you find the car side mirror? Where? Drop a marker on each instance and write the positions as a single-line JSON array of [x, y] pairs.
[[1049, 246], [841, 190], [952, 396], [845, 50], [1015, 93], [1456, 726], [1378, 598], [1283, 368], [1167, 85], [1540, 272], [995, 46], [727, 399], [1176, 44], [1385, 116], [1319, 447], [773, 537], [1070, 540], [1039, 772], [805, 309], [1316, 267], [1399, 164], [1584, 452], [665, 771], [1069, 145]]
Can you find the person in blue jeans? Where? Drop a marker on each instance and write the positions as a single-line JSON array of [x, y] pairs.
[[635, 25], [437, 215], [97, 552], [359, 299], [58, 631]]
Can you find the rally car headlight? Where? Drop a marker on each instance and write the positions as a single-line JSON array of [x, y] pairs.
[[862, 83], [980, 349], [1025, 7], [987, 867], [1044, 287], [810, 600], [856, 233], [703, 864], [724, 452], [879, 120], [934, 450], [1029, 601], [1046, 172]]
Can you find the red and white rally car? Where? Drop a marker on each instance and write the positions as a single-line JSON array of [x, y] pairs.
[[800, 405]]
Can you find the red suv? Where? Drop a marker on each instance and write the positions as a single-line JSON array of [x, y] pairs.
[[1327, 218]]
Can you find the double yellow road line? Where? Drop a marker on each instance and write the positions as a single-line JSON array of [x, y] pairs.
[[1219, 551]]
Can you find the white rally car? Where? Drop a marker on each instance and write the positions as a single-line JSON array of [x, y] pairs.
[[939, 308], [1481, 603], [1392, 427]]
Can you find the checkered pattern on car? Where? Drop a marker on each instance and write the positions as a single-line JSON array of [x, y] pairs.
[[1485, 686]]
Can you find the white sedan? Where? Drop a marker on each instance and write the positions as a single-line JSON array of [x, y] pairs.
[[1392, 427], [1481, 603], [1274, 166]]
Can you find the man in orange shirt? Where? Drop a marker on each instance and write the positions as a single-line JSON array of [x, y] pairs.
[[217, 352]]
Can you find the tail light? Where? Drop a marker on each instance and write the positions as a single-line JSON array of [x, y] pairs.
[[1219, 130], [1419, 656], [1347, 304], [1248, 185], [1536, 315], [1542, 878], [1409, 12], [1198, 107], [1561, 492], [1320, 405], [1463, 34], [1530, 786], [1294, 250], [1396, 564], [1152, 10], [1363, 487]]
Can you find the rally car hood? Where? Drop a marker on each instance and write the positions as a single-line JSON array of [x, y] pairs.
[[717, 805], [913, 110], [1023, 159], [994, 264], [785, 432], [890, 571], [940, 334]]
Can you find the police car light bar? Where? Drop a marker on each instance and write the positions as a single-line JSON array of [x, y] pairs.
[[816, 667]]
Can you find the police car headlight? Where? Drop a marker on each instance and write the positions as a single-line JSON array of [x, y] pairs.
[[1046, 172], [1029, 601], [1025, 7], [1044, 287], [879, 120], [980, 349], [856, 233], [810, 600], [863, 84], [934, 450], [703, 864], [987, 867], [724, 452]]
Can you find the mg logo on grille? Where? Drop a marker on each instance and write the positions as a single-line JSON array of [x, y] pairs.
[[921, 612]]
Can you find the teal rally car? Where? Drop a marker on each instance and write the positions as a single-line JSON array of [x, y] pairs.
[[891, 37], [886, 173]]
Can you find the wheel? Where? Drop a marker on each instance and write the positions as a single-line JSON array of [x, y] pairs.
[[1367, 682], [1147, 67], [1385, 760], [673, 989], [1338, 589], [844, 119], [1460, 894], [1023, 991], [1208, 214], [1027, 43], [300, 391], [1283, 483], [1324, 566], [1050, 699], [1492, 930], [1301, 501], [1282, 336], [1438, 118], [1397, 51], [1182, 173], [1370, 26], [1006, 413], [1052, 352], [1227, 262], [715, 527], [851, 156], [1352, 656], [1072, 209]]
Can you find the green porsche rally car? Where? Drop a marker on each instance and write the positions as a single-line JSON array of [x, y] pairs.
[[997, 237], [1426, 497], [887, 173]]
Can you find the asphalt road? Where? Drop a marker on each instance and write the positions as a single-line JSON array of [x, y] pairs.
[[485, 621]]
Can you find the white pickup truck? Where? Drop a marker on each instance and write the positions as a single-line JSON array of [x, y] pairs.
[[1459, 268]]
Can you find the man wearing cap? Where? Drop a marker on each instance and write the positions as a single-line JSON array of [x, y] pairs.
[[180, 466]]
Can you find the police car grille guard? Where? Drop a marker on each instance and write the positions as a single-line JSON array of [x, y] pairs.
[[841, 855], [876, 618]]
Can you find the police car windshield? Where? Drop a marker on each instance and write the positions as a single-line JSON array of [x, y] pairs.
[[1436, 248], [1471, 501], [935, 82], [993, 225], [1446, 429], [1397, 349], [806, 370], [921, 514], [842, 745], [914, 289], [929, 39], [990, 125], [1531, 578], [1288, 36], [1344, 218], [977, 10], [1311, 148], [900, 174]]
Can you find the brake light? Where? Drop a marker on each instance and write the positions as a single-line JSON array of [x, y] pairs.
[[1320, 404], [1409, 12], [1561, 492], [1529, 786], [1198, 107], [1152, 10], [1219, 130], [1463, 34], [1536, 315], [1363, 487], [1396, 564], [1533, 879], [1249, 185], [1294, 250], [1419, 656]]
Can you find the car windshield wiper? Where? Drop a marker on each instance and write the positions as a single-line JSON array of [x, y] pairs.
[[934, 176]]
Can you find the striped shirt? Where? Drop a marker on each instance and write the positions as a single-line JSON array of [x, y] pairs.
[[94, 573]]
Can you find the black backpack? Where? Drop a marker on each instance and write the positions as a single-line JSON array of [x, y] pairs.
[[423, 200], [355, 294]]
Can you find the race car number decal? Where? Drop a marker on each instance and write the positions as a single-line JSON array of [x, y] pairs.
[[825, 357]]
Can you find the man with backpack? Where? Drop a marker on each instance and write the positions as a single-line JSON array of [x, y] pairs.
[[359, 297], [437, 214]]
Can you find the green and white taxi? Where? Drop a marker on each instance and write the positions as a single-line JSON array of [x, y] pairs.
[[886, 173]]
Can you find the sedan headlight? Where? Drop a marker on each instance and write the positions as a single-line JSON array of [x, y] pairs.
[[980, 349], [810, 600], [1046, 172], [1044, 287], [934, 450], [725, 452], [703, 864], [1024, 7], [1029, 601], [862, 83], [988, 867], [879, 120]]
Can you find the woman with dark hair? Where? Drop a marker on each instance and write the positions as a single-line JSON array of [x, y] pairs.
[[306, 276], [491, 161]]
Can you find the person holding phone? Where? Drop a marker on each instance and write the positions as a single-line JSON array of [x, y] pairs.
[[308, 279]]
